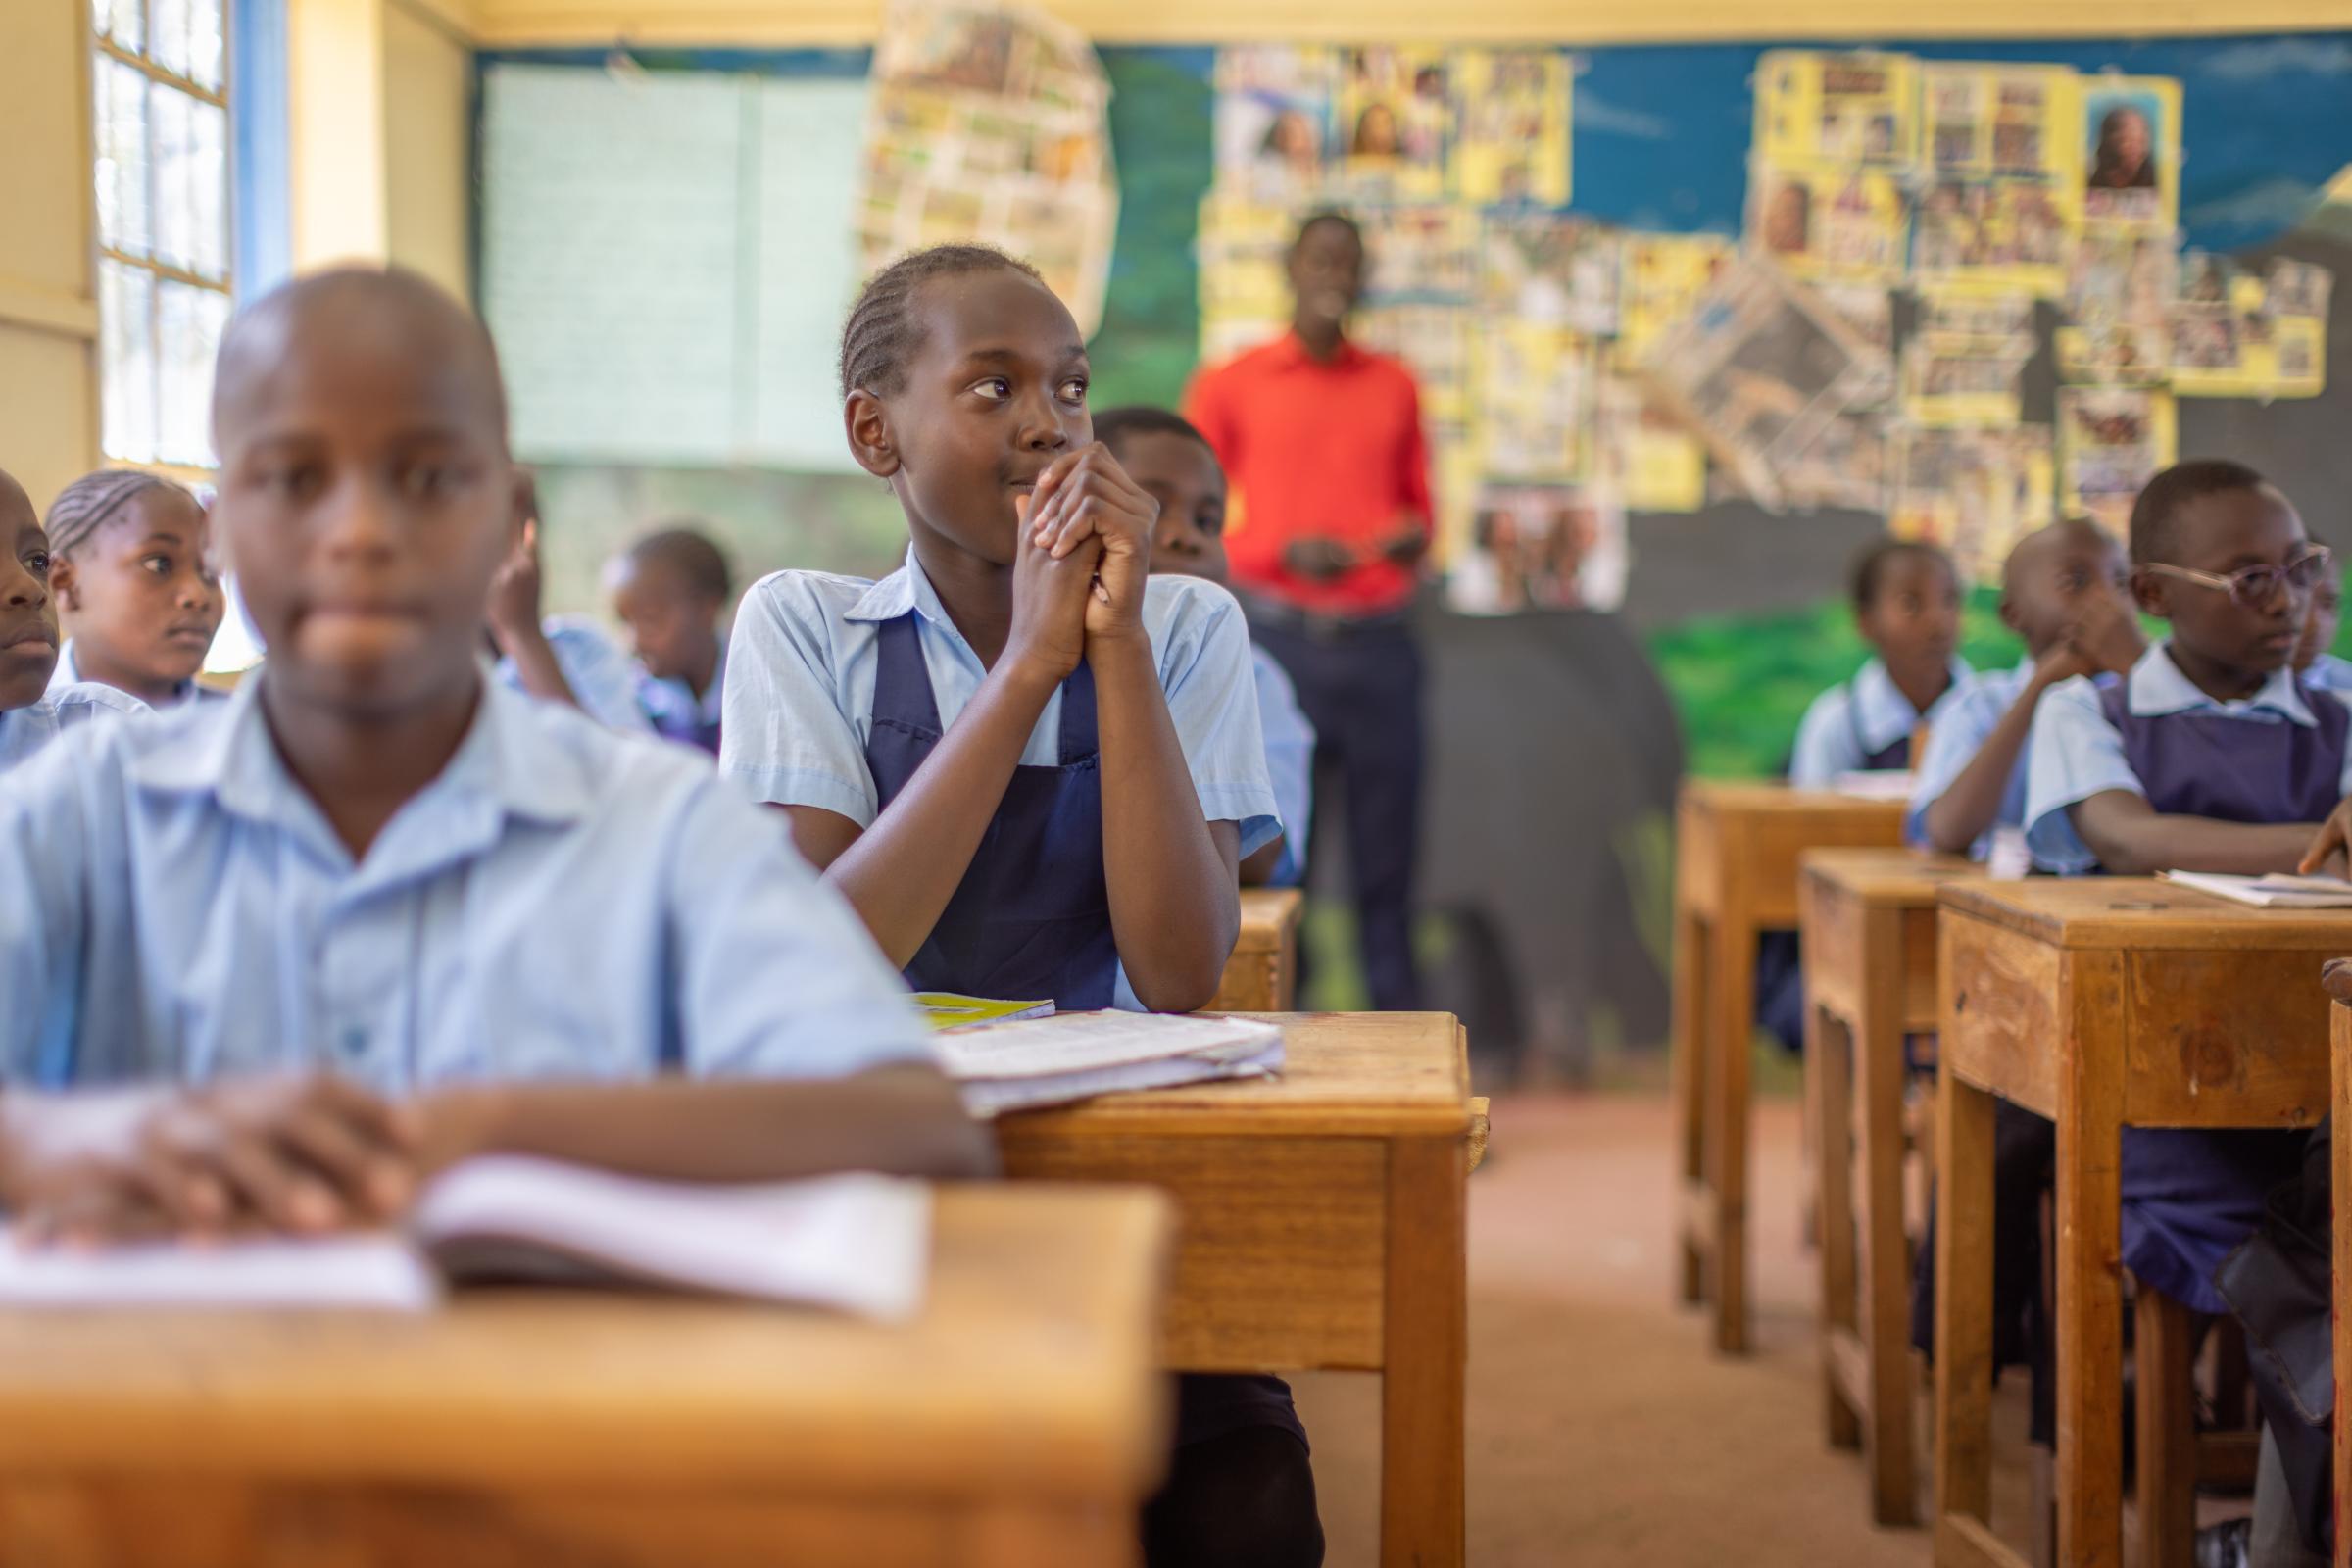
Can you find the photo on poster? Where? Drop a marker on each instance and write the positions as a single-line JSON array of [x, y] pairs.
[[2132, 150], [2111, 442], [2119, 309], [1273, 121], [1539, 547], [1831, 111], [1511, 128], [1825, 226], [1396, 109], [1995, 233], [1556, 270]]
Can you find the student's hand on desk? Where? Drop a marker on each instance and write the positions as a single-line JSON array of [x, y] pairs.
[[1050, 597], [300, 1154], [2331, 844], [1086, 495]]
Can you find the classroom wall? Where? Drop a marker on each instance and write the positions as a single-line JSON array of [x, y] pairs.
[[48, 313], [428, 85]]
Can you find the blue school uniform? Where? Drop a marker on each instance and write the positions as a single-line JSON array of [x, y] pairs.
[[27, 730], [602, 679], [2279, 756], [558, 902], [2328, 673], [678, 714], [1864, 724], [1958, 732], [1289, 763], [839, 688], [68, 675]]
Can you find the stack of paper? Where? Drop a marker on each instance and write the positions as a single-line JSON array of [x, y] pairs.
[[946, 1010], [1877, 784], [1073, 1056], [2276, 891], [858, 1242]]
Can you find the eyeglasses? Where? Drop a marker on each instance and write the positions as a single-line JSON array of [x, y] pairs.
[[2253, 586]]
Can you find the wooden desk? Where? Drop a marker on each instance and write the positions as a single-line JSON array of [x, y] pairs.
[[1319, 1225], [2100, 1002], [1869, 922], [1018, 1421], [1735, 851], [1262, 975]]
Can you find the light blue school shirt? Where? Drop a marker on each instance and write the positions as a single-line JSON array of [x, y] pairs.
[[800, 696], [68, 675], [2328, 673], [1289, 763], [1858, 717], [1959, 732], [602, 679], [559, 903], [2074, 753], [27, 730]]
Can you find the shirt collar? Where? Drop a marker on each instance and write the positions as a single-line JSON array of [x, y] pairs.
[[1290, 351], [503, 766], [2157, 687], [69, 673], [904, 589], [1883, 715]]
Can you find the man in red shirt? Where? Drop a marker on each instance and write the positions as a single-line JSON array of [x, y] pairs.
[[1321, 442]]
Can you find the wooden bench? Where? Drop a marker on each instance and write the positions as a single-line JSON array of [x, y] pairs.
[[1736, 854], [1868, 919], [2101, 1002]]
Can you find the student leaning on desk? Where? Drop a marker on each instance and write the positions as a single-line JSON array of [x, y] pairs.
[[273, 960]]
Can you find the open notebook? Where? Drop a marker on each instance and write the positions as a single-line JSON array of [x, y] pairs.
[[860, 1244], [2276, 891], [1074, 1056]]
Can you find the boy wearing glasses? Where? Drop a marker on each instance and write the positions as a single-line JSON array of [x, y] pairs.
[[2210, 755]]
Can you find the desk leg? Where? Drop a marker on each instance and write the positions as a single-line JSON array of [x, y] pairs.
[[2339, 1157], [1878, 1057], [2165, 1348], [1730, 1046], [2090, 1306], [1963, 1314], [1425, 1345], [1826, 1092], [1689, 1026]]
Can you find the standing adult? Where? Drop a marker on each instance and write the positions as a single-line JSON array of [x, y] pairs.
[[1322, 443]]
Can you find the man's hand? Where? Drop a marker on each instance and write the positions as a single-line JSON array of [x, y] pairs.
[[1318, 560]]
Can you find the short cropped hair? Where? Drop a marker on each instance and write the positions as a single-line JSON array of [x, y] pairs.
[[2156, 513]]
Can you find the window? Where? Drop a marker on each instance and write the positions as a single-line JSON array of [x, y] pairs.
[[160, 89]]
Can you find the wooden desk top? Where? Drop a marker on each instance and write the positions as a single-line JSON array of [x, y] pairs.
[[1899, 878], [1269, 917], [1772, 798], [1345, 1074], [2143, 913], [1031, 1368]]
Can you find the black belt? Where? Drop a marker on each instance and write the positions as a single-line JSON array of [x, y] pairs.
[[1321, 625]]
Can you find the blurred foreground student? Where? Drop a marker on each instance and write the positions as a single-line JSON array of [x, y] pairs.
[[1031, 766], [272, 962], [2209, 755], [1162, 452], [32, 715], [133, 575], [1906, 599], [2065, 590], [671, 589]]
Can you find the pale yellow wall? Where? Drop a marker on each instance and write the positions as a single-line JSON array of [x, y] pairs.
[[335, 117], [48, 315], [427, 116]]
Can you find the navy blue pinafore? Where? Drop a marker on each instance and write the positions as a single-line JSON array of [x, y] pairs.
[[1031, 919], [2188, 1196]]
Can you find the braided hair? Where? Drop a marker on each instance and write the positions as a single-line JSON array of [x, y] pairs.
[[95, 499], [883, 334]]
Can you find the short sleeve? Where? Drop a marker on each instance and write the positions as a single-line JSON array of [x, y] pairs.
[[777, 976], [1413, 478], [2072, 755], [784, 734], [1289, 763], [1207, 406], [1212, 691], [1825, 742], [44, 902]]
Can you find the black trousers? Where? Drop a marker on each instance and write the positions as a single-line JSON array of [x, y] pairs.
[[1360, 686]]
